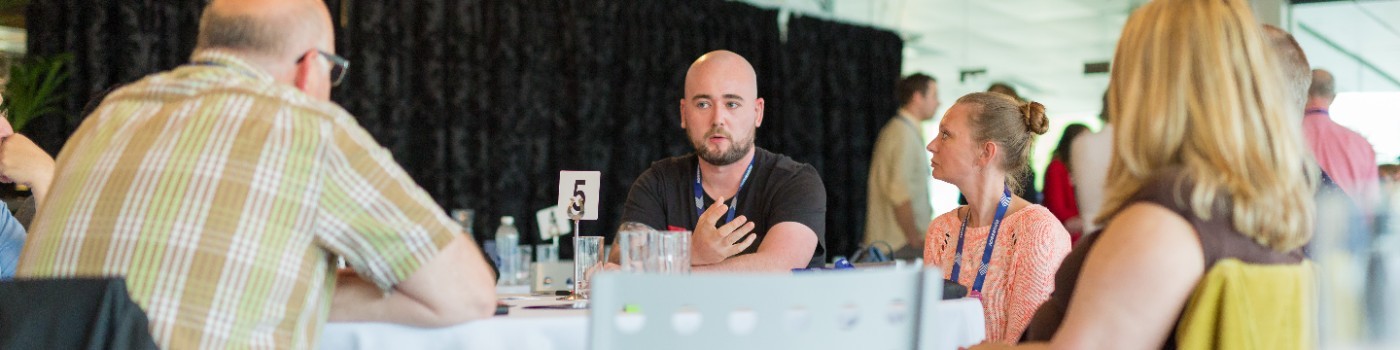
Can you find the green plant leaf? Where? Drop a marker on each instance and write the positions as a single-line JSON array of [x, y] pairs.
[[34, 90]]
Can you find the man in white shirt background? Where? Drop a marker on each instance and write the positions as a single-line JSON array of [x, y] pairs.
[[897, 206]]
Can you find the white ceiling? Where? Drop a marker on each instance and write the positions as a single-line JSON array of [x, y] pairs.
[[1346, 36], [1041, 46]]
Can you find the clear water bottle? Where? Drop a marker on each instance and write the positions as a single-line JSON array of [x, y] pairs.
[[507, 249]]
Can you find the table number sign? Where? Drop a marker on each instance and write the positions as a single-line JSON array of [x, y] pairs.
[[578, 194]]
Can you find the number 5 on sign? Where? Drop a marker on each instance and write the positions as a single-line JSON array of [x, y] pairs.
[[578, 194]]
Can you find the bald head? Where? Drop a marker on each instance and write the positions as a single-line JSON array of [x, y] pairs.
[[721, 110], [265, 29], [723, 70], [1323, 86], [1292, 62]]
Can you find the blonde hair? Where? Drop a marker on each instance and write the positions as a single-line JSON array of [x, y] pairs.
[[1010, 124], [1195, 85]]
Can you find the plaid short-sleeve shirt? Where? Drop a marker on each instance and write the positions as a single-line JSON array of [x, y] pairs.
[[221, 195]]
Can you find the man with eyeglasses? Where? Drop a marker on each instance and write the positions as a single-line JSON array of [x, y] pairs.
[[224, 189]]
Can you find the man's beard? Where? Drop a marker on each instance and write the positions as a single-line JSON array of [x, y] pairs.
[[737, 149]]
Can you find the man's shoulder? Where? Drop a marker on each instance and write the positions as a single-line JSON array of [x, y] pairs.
[[1353, 137], [666, 170], [293, 99], [1095, 142], [1104, 135], [898, 127], [1324, 130], [785, 168], [672, 164], [194, 83]]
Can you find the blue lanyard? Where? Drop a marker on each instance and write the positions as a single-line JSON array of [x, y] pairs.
[[700, 191], [991, 242]]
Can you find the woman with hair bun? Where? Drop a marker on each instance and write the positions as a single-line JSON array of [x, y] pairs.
[[982, 146]]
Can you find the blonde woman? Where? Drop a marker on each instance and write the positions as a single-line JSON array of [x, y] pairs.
[[1001, 247], [1208, 171]]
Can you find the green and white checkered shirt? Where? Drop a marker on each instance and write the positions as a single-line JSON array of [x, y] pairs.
[[221, 195]]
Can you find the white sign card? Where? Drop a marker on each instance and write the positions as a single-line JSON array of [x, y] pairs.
[[578, 194], [552, 223]]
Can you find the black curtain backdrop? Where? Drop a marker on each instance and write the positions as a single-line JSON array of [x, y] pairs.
[[839, 89], [112, 42], [484, 102]]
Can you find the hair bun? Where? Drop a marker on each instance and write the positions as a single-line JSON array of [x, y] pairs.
[[1033, 113]]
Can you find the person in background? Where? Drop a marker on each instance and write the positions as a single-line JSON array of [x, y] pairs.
[[748, 209], [23, 163], [1059, 188], [1390, 179], [221, 190], [1390, 173], [1210, 180], [1002, 247], [897, 204], [1332, 200], [1005, 89], [1089, 157], [1344, 154]]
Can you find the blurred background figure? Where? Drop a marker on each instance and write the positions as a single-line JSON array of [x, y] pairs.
[[1089, 157], [21, 163], [1390, 176], [1004, 89], [1344, 154], [1059, 188], [897, 205]]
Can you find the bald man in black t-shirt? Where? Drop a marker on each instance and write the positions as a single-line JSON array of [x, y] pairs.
[[777, 222]]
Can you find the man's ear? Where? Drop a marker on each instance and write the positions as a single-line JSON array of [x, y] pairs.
[[303, 70], [681, 109], [758, 108]]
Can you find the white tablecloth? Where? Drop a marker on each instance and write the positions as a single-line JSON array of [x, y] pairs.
[[525, 329], [960, 324]]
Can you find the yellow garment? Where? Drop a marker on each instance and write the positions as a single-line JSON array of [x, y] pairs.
[[1244, 306]]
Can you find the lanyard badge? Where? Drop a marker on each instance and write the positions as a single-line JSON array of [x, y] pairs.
[[976, 290], [700, 191]]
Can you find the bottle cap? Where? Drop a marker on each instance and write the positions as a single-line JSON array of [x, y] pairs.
[[507, 220]]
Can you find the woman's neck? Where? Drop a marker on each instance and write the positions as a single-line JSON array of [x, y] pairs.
[[982, 197]]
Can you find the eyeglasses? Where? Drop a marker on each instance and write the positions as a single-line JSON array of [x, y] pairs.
[[338, 66]]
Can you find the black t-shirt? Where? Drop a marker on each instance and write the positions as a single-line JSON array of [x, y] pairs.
[[778, 190]]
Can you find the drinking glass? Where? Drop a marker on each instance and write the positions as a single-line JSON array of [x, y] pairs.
[[588, 258], [670, 252], [522, 275], [546, 253], [634, 249], [465, 217]]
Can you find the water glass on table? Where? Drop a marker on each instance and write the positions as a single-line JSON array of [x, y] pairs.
[[546, 253], [466, 218], [588, 258], [670, 252], [634, 250], [522, 271]]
